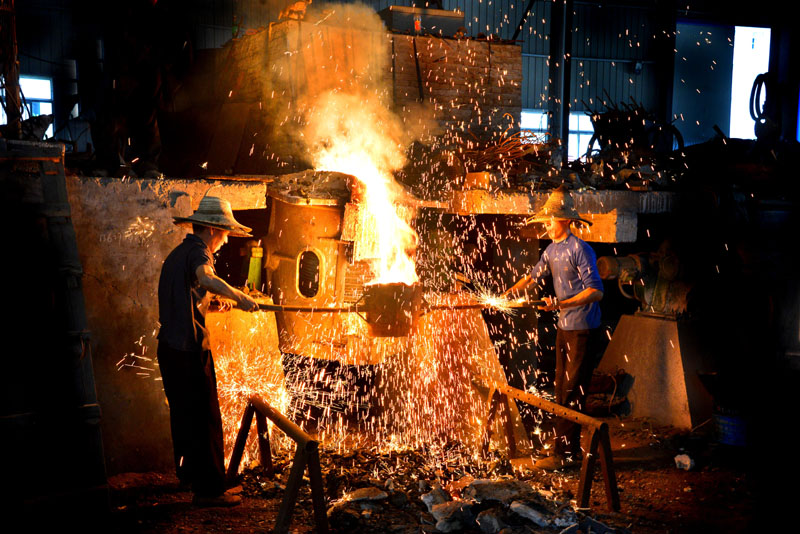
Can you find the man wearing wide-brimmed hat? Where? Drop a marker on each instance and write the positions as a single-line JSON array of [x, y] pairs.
[[187, 368], [572, 264]]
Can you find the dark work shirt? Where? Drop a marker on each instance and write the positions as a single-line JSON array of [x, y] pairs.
[[181, 300], [573, 265]]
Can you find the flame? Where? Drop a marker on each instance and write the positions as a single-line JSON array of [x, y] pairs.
[[357, 144]]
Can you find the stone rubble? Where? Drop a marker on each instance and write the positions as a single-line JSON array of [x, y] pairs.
[[403, 493]]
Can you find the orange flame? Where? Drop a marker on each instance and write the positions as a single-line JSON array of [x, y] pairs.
[[356, 143]]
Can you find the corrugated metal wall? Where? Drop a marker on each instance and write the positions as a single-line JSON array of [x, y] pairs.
[[213, 22], [607, 43], [41, 55]]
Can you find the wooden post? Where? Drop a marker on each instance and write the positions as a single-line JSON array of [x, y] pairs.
[[292, 488], [607, 465], [587, 470], [241, 441], [263, 442], [307, 453], [499, 403], [317, 491], [509, 425], [600, 443], [487, 431]]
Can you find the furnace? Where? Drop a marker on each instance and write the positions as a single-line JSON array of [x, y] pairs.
[[316, 258]]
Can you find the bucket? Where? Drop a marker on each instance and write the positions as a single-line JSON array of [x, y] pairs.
[[392, 309], [731, 429]]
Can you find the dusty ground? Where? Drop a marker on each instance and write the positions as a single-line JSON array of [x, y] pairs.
[[656, 496]]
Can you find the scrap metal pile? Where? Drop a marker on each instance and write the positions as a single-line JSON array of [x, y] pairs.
[[428, 491], [629, 150], [636, 150]]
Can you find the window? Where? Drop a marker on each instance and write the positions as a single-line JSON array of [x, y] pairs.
[[37, 98], [580, 133], [534, 120], [308, 274], [750, 58], [580, 129]]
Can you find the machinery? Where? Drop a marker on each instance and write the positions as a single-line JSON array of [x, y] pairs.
[[652, 279], [659, 346]]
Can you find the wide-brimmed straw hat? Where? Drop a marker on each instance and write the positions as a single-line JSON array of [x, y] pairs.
[[559, 205], [215, 212]]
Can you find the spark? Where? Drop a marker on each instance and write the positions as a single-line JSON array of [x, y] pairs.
[[499, 303]]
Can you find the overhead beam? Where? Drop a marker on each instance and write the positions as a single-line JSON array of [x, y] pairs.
[[560, 64]]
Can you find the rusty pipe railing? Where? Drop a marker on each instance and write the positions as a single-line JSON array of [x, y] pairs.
[[599, 445], [306, 456]]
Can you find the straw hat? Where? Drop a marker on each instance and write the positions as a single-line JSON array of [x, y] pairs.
[[559, 205], [215, 212]]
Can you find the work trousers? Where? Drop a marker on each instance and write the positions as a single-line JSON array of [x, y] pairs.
[[191, 387], [576, 359]]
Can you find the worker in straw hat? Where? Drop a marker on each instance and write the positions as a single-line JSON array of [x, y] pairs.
[[572, 265], [187, 368]]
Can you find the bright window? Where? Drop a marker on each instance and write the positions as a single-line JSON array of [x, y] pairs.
[[534, 120], [580, 133], [750, 58], [37, 95], [580, 129]]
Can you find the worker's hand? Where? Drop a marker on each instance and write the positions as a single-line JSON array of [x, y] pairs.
[[223, 305], [245, 302], [550, 304]]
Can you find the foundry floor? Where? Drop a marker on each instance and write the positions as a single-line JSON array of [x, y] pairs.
[[716, 496]]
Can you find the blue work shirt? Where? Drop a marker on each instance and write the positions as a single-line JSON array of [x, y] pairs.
[[573, 265]]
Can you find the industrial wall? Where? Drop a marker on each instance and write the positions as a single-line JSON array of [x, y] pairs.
[[621, 52], [65, 41], [124, 230]]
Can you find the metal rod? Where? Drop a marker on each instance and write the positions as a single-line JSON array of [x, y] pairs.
[[483, 306], [558, 98], [309, 309], [523, 20], [599, 59], [356, 309]]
